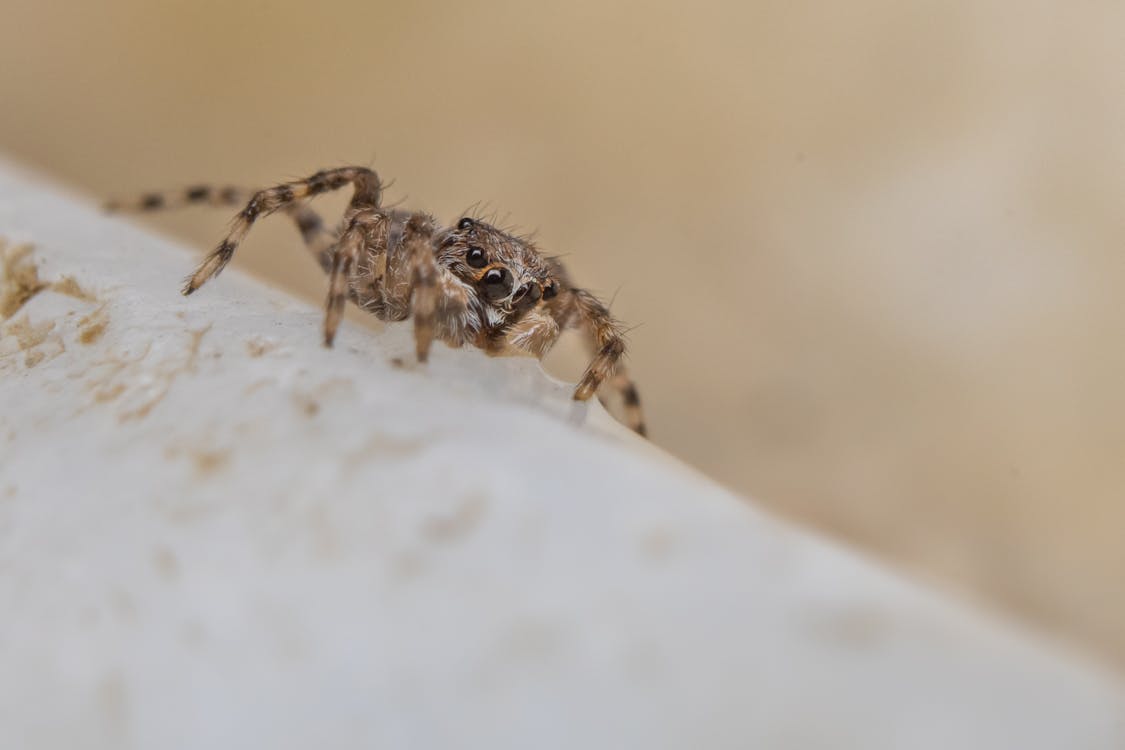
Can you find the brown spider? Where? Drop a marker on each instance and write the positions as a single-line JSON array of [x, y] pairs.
[[472, 283]]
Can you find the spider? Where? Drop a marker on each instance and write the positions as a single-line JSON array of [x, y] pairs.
[[471, 283]]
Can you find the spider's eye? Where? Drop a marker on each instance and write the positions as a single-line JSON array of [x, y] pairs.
[[465, 223], [551, 290], [497, 283], [475, 258]]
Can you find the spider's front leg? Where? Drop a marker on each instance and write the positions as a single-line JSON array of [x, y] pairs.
[[417, 235], [631, 401], [440, 304], [608, 342], [606, 336]]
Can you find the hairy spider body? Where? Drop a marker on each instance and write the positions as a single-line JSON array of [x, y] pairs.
[[471, 283]]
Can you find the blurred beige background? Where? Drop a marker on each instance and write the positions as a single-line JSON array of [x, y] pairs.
[[874, 249]]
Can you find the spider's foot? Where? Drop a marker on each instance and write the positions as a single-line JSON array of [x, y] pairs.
[[585, 389]]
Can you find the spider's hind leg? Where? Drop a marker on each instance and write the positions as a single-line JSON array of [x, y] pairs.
[[368, 191], [197, 195], [318, 238]]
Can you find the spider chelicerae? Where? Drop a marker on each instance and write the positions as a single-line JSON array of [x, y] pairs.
[[471, 283]]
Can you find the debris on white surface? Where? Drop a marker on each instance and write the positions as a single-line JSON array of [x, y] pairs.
[[216, 533]]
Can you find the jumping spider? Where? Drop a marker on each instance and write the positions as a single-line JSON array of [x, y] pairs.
[[471, 283]]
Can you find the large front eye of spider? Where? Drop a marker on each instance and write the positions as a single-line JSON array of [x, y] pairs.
[[497, 283], [475, 257]]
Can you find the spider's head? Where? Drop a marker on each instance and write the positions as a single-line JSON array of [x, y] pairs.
[[506, 271]]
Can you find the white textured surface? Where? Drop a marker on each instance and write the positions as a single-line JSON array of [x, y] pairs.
[[214, 533]]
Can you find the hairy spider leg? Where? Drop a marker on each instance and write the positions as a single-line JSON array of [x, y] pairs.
[[367, 194], [630, 401], [608, 343], [317, 237]]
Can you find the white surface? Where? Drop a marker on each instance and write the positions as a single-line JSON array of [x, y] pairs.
[[237, 539]]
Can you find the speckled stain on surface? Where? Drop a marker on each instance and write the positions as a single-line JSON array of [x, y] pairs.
[[92, 327], [19, 281]]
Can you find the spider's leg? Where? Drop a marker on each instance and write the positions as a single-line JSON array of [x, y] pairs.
[[343, 259], [589, 314], [265, 202], [630, 400], [414, 284], [318, 239], [425, 278], [608, 343], [161, 200], [456, 321]]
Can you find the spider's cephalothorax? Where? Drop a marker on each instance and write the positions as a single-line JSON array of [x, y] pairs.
[[470, 283], [507, 279]]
